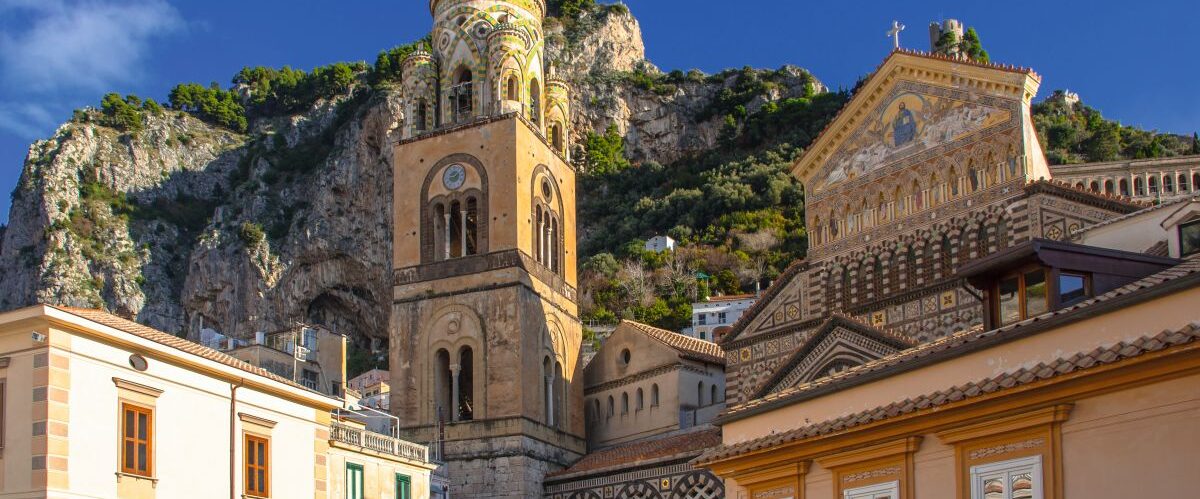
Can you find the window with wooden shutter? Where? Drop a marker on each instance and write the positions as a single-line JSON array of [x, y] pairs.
[[137, 440]]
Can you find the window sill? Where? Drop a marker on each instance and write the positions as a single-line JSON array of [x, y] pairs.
[[249, 496], [131, 476]]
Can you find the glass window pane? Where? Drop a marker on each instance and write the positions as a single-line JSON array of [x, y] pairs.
[[1009, 300], [1035, 293], [1022, 486], [141, 457], [1189, 238], [1071, 287], [250, 483], [993, 489], [141, 423], [262, 481], [128, 423], [262, 453], [128, 454]]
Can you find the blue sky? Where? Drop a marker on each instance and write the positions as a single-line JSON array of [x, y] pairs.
[[1136, 62]]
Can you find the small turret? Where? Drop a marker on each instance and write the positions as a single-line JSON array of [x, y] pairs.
[[420, 90], [944, 37]]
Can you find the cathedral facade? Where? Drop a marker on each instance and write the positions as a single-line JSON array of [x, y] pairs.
[[933, 164], [485, 334]]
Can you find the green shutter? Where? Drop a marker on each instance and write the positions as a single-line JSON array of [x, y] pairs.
[[354, 481], [403, 487]]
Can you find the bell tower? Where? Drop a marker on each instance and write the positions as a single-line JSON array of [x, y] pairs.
[[485, 331]]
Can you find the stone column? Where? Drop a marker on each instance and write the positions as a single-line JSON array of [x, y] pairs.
[[446, 249], [463, 234], [454, 403], [550, 247]]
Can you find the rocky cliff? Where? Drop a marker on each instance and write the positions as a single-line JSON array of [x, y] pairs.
[[184, 225]]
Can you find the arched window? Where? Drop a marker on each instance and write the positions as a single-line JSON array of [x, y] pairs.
[[462, 96], [654, 395], [535, 102], [443, 383], [639, 400], [712, 399], [422, 115], [547, 392], [556, 137], [624, 402], [466, 384], [1108, 187], [513, 89], [1079, 185], [1183, 183], [457, 236], [1195, 180], [471, 224], [1095, 186], [596, 410], [1168, 184], [918, 196], [700, 394], [610, 406], [1123, 186], [1139, 187], [441, 236], [1153, 185], [560, 405], [973, 173]]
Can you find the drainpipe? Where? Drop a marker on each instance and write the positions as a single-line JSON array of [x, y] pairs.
[[233, 438]]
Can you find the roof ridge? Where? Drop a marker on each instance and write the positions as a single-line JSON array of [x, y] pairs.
[[167, 339], [679, 342]]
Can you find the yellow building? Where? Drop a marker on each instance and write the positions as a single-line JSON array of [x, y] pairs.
[[943, 340], [98, 406]]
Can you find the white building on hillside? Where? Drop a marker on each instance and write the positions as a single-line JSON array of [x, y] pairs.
[[660, 244], [717, 312]]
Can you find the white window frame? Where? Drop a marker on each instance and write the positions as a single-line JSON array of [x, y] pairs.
[[1006, 469], [890, 490]]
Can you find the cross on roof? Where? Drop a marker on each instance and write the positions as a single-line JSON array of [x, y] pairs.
[[895, 32]]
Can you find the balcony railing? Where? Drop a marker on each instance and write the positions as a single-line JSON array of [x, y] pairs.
[[378, 442]]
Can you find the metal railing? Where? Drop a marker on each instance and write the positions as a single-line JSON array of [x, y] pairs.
[[377, 442]]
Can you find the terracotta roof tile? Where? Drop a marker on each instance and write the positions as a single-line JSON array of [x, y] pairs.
[[170, 340], [693, 442], [1076, 362], [954, 341], [688, 346]]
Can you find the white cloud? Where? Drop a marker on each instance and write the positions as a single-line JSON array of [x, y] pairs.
[[80, 45], [27, 120]]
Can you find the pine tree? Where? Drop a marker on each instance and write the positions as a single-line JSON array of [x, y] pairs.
[[1195, 143], [972, 47]]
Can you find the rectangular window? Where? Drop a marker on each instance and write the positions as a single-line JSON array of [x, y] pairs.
[[1021, 296], [354, 481], [1189, 238], [889, 490], [137, 440], [403, 487], [721, 317], [1014, 479], [310, 379], [257, 459], [1071, 287], [703, 319]]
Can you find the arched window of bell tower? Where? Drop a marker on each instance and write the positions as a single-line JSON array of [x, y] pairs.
[[535, 102], [466, 384], [462, 95], [556, 137], [422, 115], [443, 386], [512, 91]]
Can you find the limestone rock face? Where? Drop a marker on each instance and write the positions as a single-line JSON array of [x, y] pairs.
[[186, 225]]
